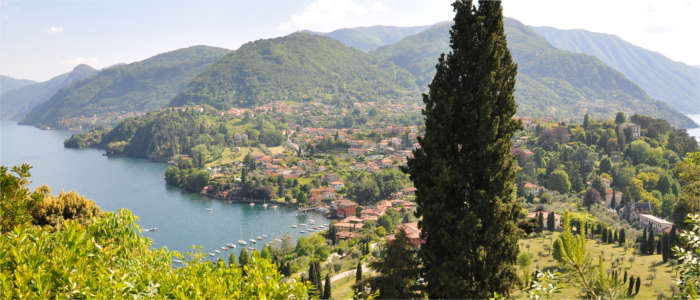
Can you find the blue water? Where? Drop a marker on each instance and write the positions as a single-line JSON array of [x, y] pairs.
[[139, 185], [695, 131]]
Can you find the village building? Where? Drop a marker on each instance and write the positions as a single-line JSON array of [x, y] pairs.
[[658, 225], [345, 207], [412, 233]]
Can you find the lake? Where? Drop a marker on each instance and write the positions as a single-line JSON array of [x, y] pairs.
[[695, 131], [139, 185]]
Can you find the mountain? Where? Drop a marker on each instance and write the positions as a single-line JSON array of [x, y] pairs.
[[298, 67], [369, 38], [551, 83], [17, 103], [8, 83], [124, 90], [673, 82]]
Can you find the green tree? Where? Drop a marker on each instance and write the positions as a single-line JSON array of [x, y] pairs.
[[540, 223], [327, 288], [620, 118], [398, 268], [243, 257], [358, 271], [585, 121], [605, 165], [559, 181], [551, 221], [232, 260], [463, 171]]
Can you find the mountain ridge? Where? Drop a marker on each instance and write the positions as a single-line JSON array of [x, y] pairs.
[[8, 83], [17, 103], [673, 82], [124, 90]]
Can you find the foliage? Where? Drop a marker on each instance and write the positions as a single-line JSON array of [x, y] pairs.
[[298, 67], [399, 269], [191, 180], [119, 90], [689, 256], [465, 181]]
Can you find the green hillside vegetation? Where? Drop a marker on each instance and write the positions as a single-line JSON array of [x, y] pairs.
[[18, 102], [161, 135], [8, 83], [372, 37], [673, 82], [104, 255], [297, 67], [125, 89], [550, 83]]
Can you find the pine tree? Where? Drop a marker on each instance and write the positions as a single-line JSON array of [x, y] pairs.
[[463, 171], [650, 241], [327, 288], [540, 222], [621, 238], [665, 245], [636, 285], [243, 257], [550, 221], [630, 288], [358, 272], [625, 278]]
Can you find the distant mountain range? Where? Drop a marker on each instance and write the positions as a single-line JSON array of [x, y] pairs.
[[372, 37], [124, 89], [551, 83], [673, 82], [334, 67], [8, 83], [18, 102], [298, 67]]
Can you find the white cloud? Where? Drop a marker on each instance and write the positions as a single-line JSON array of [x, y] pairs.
[[82, 60], [54, 29], [325, 15]]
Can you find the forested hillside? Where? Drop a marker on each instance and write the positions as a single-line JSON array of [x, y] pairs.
[[673, 82], [550, 83], [372, 37], [297, 67], [18, 102], [124, 89], [8, 83]]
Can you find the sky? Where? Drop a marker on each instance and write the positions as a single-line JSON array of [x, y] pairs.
[[42, 39]]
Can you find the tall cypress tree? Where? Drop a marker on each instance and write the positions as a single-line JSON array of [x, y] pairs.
[[621, 238], [463, 170], [327, 288], [540, 222], [550, 221]]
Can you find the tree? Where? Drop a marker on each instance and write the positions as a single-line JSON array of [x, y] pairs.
[[232, 261], [591, 197], [551, 221], [398, 268], [637, 284], [620, 118], [540, 222], [243, 257], [621, 237], [630, 288], [559, 181], [327, 287], [605, 166], [358, 271], [463, 170], [613, 202], [585, 121], [643, 243]]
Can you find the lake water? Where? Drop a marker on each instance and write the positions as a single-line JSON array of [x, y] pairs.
[[139, 185], [695, 131]]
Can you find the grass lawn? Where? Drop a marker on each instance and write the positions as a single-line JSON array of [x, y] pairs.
[[656, 276], [342, 289]]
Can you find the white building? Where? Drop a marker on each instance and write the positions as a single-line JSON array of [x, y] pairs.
[[658, 225]]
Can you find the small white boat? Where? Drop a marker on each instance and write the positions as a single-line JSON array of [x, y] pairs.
[[223, 248], [209, 209], [302, 224], [217, 251], [251, 248], [294, 226], [231, 245], [211, 254], [251, 204], [150, 229], [242, 242], [265, 205], [311, 221], [264, 236], [252, 241], [275, 206], [260, 238], [302, 231]]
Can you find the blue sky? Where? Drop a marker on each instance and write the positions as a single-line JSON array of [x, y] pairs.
[[41, 39]]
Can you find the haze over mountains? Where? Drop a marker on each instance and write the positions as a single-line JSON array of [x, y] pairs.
[[8, 83], [123, 89], [675, 83], [334, 67], [18, 102]]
